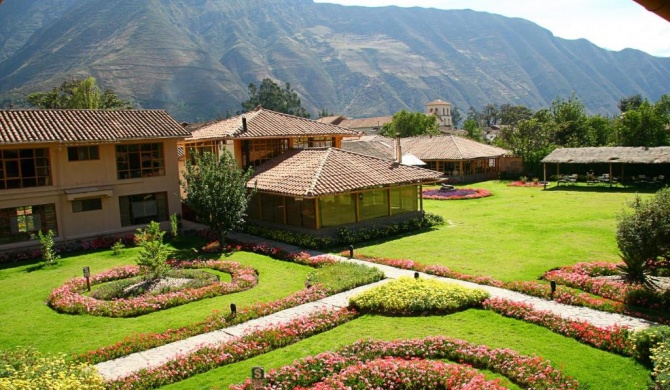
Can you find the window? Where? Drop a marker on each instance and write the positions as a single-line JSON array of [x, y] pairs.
[[201, 148], [373, 204], [404, 199], [139, 160], [256, 152], [24, 168], [83, 205], [143, 208], [337, 210], [22, 223], [83, 153], [312, 142]]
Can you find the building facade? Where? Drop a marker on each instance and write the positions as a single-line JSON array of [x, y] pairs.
[[85, 173]]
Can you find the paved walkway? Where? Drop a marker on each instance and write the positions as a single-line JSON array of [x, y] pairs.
[[155, 357]]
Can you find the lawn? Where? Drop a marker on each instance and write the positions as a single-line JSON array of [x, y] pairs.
[[591, 367], [28, 321], [516, 234]]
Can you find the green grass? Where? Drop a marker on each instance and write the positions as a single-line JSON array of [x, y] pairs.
[[28, 321], [591, 367], [516, 234], [344, 276]]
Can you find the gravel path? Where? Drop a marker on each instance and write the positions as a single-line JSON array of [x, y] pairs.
[[124, 366]]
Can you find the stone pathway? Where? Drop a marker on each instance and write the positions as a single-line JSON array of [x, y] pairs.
[[124, 366]]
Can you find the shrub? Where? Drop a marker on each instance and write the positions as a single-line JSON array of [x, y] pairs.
[[344, 276], [647, 339], [117, 248], [49, 254], [660, 357], [644, 235], [407, 296], [26, 369], [153, 256], [345, 236]]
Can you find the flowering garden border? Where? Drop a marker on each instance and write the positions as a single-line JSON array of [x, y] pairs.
[[585, 276], [254, 343], [564, 294], [68, 298], [526, 371], [436, 194]]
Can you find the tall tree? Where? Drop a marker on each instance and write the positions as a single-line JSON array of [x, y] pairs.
[[490, 115], [511, 115], [644, 126], [474, 131], [78, 94], [215, 189], [271, 96], [408, 124], [456, 117], [569, 117], [632, 102]]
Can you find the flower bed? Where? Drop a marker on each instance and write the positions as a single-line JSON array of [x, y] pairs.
[[255, 343], [563, 294], [612, 339], [526, 371], [520, 183], [593, 278], [142, 341], [407, 296], [69, 299], [457, 194]]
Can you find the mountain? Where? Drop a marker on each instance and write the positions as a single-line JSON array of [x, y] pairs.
[[195, 58]]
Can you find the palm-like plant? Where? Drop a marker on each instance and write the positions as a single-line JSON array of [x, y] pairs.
[[635, 269]]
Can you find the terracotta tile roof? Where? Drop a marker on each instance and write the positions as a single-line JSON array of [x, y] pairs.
[[264, 123], [332, 120], [449, 147], [329, 171], [441, 147], [371, 145], [437, 102], [363, 123], [72, 126]]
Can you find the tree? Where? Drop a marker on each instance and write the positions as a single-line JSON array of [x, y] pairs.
[[474, 131], [569, 117], [644, 235], [154, 253], [408, 124], [511, 115], [490, 115], [78, 94], [599, 131], [643, 126], [456, 117], [216, 191], [530, 139], [271, 96], [324, 113], [630, 103]]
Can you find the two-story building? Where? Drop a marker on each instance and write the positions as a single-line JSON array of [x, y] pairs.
[[304, 180], [85, 173]]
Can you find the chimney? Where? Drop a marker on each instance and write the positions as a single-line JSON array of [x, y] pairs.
[[244, 123], [398, 150]]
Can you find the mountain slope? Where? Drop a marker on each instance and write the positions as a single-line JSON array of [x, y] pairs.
[[195, 58]]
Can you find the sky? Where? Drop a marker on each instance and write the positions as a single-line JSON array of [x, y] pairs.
[[610, 24]]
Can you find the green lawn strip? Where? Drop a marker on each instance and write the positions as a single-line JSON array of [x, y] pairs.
[[593, 368], [516, 234], [27, 321]]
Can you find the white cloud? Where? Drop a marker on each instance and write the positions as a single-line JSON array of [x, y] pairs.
[[610, 24]]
